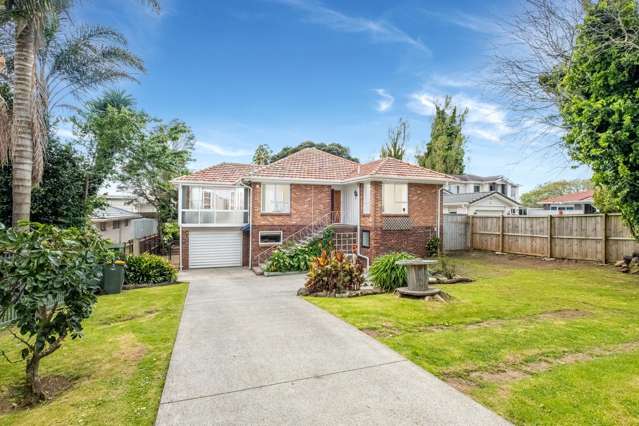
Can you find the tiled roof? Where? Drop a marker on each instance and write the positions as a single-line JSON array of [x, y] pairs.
[[228, 173], [113, 213], [471, 197], [391, 167], [309, 163], [316, 165], [574, 197]]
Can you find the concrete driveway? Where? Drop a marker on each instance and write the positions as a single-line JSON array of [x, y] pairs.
[[249, 351]]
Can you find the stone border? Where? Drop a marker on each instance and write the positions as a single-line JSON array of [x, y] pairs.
[[350, 293], [278, 274]]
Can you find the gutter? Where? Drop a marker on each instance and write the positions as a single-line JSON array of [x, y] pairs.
[[359, 228]]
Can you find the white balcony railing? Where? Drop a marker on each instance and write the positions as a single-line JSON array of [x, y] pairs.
[[214, 217]]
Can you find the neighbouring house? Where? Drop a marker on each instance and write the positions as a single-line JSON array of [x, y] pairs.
[[481, 203], [575, 203], [237, 214], [115, 224], [130, 202], [465, 184]]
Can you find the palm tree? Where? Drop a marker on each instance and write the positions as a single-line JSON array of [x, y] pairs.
[[44, 71]]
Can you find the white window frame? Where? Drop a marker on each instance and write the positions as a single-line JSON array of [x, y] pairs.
[[368, 234], [366, 198], [395, 202], [476, 188], [276, 185], [116, 224], [280, 233]]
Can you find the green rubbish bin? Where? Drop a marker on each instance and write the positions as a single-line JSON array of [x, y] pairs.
[[113, 278]]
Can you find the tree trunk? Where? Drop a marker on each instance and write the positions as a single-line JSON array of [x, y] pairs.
[[33, 379], [22, 137]]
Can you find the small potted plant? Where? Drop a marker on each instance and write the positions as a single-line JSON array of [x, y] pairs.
[[114, 277]]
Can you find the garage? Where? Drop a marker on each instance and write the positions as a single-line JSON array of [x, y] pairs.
[[215, 248]]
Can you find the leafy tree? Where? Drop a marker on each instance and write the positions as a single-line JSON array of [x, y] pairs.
[[553, 189], [445, 150], [49, 276], [605, 201], [397, 139], [59, 199], [106, 131], [600, 101], [331, 148], [262, 155], [159, 156]]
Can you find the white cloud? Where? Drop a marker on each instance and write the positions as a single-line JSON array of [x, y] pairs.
[[64, 131], [452, 81], [222, 151], [480, 24], [385, 102], [379, 30], [487, 121]]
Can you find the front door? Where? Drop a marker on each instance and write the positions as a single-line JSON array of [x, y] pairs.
[[336, 204]]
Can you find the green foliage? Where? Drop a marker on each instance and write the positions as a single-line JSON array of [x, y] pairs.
[[600, 101], [59, 199], [446, 266], [385, 274], [331, 148], [553, 189], [432, 246], [148, 269], [49, 276], [333, 273], [262, 155], [298, 257], [397, 139], [605, 201], [445, 150], [171, 232]]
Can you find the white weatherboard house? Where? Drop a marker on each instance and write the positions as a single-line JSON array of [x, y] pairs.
[[465, 184]]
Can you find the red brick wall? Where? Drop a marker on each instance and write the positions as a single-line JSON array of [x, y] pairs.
[[245, 248], [422, 211], [287, 230], [308, 203], [185, 248]]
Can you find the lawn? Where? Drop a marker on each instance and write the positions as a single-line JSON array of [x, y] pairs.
[[115, 373], [538, 342]]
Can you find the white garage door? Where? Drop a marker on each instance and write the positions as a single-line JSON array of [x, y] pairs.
[[215, 248]]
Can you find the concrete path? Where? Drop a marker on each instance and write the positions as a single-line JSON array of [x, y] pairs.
[[249, 351]]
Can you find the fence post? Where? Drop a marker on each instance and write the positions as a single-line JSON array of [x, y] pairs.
[[604, 237], [501, 233], [549, 247], [470, 232]]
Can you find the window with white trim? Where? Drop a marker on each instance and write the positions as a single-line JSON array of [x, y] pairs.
[[366, 200], [366, 239], [395, 198], [276, 198], [270, 238]]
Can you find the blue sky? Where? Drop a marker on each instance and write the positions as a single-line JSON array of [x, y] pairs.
[[280, 72]]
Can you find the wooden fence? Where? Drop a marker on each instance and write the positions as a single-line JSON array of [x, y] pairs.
[[595, 237], [456, 232]]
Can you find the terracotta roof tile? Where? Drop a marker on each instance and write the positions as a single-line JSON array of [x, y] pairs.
[[574, 197], [396, 168], [227, 173], [309, 163]]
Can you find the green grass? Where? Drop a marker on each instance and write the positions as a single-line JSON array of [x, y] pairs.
[[117, 369], [538, 342]]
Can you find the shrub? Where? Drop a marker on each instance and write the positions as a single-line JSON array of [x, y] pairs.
[[385, 274], [49, 276], [298, 257], [148, 269], [446, 267], [333, 273], [432, 246]]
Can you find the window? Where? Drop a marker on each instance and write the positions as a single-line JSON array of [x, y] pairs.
[[103, 226], [457, 189], [452, 212], [116, 224], [270, 238], [126, 223], [207, 199], [366, 200], [395, 198], [276, 198], [476, 188], [491, 187], [366, 239]]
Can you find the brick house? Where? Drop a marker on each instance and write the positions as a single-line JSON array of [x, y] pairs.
[[237, 214]]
